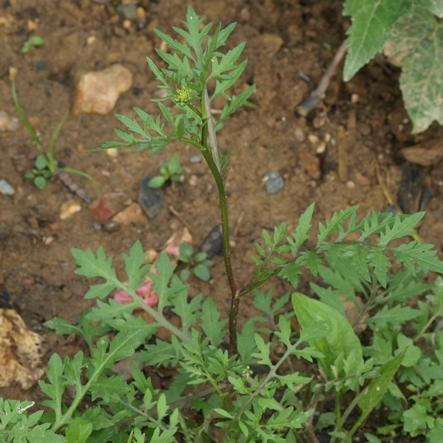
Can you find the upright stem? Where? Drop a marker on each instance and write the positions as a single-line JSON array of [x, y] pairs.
[[235, 299], [224, 220]]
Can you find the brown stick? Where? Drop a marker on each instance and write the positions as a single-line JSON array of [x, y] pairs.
[[310, 430], [309, 103]]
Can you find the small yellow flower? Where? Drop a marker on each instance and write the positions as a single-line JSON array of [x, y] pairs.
[[183, 95]]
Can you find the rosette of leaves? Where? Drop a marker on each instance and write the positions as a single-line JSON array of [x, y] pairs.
[[40, 173], [197, 264]]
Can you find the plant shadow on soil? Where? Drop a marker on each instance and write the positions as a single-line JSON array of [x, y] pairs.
[[288, 44]]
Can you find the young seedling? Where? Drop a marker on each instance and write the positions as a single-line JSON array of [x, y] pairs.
[[168, 172], [197, 264], [46, 165], [40, 173], [32, 42]]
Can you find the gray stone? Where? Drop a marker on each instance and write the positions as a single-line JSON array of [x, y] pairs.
[[196, 158], [213, 243], [128, 11], [274, 182], [151, 200], [6, 188]]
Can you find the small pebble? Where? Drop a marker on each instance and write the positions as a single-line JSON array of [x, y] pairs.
[[98, 91], [41, 65], [313, 139], [8, 123], [355, 98], [128, 11], [196, 158], [31, 25], [131, 214], [273, 182], [213, 243], [299, 135], [112, 152], [193, 180], [6, 188], [47, 240], [141, 17], [151, 256], [112, 226], [69, 208], [320, 148], [151, 200], [126, 24], [102, 210], [350, 184], [318, 122]]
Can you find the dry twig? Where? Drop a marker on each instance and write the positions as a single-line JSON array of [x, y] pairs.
[[309, 103]]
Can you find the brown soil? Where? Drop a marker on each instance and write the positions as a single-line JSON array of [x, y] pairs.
[[289, 45]]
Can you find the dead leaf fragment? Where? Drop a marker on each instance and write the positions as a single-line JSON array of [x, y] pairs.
[[20, 351], [353, 310], [428, 153], [310, 163]]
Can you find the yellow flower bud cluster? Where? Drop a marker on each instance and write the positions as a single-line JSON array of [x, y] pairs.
[[183, 95]]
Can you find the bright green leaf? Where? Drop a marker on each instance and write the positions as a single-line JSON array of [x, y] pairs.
[[372, 21], [339, 339]]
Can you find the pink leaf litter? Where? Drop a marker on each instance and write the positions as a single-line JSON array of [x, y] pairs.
[[145, 291]]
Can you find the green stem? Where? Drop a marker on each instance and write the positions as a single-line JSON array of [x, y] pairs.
[[425, 327], [235, 299], [52, 163], [338, 411], [25, 120], [211, 160], [350, 408]]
